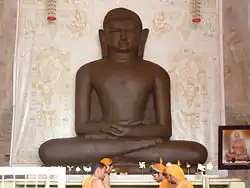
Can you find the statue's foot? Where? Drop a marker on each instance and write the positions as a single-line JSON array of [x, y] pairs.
[[172, 151]]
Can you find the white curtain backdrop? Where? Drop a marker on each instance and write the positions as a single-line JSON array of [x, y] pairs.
[[48, 56]]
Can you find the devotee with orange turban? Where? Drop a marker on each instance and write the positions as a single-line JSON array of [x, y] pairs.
[[109, 164], [158, 171], [175, 176], [96, 179]]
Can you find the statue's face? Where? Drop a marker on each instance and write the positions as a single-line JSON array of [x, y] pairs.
[[237, 135], [123, 35]]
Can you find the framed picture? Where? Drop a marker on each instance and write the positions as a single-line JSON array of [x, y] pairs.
[[234, 147]]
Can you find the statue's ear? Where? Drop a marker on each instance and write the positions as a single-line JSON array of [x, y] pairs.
[[104, 48], [144, 36]]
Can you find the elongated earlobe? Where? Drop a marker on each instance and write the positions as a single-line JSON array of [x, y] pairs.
[[104, 47], [144, 36]]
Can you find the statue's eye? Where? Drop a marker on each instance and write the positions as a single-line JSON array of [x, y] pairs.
[[130, 31], [114, 30]]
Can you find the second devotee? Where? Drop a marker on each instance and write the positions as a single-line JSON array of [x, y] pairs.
[[157, 171], [175, 176]]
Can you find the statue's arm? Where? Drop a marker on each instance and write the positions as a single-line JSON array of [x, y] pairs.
[[84, 87], [163, 125], [231, 147], [82, 99], [162, 98], [244, 145]]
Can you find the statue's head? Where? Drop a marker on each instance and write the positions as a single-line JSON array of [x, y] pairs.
[[237, 135], [122, 32]]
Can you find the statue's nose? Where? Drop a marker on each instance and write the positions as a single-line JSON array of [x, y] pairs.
[[123, 35]]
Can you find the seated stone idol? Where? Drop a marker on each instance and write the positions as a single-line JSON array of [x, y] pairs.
[[123, 82], [237, 149]]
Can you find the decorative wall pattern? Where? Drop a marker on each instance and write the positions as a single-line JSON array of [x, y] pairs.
[[7, 47], [235, 14], [50, 54]]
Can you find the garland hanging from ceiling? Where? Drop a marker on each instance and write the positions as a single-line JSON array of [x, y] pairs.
[[196, 10], [51, 10]]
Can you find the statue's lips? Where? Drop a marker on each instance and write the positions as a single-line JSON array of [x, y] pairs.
[[123, 44]]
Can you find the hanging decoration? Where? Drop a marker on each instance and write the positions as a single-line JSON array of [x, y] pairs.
[[51, 10], [196, 11]]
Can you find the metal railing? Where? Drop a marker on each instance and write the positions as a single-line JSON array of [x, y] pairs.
[[12, 177]]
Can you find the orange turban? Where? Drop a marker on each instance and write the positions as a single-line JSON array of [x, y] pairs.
[[106, 161], [158, 167], [175, 171]]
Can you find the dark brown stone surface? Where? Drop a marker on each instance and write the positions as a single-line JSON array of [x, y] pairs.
[[123, 82]]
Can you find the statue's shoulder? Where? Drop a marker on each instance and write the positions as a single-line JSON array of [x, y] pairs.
[[157, 69], [90, 66]]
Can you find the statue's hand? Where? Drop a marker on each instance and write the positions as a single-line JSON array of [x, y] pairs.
[[132, 122], [118, 130]]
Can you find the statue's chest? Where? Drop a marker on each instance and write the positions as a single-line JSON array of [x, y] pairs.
[[125, 81]]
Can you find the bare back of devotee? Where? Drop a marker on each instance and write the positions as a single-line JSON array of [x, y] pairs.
[[123, 82]]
